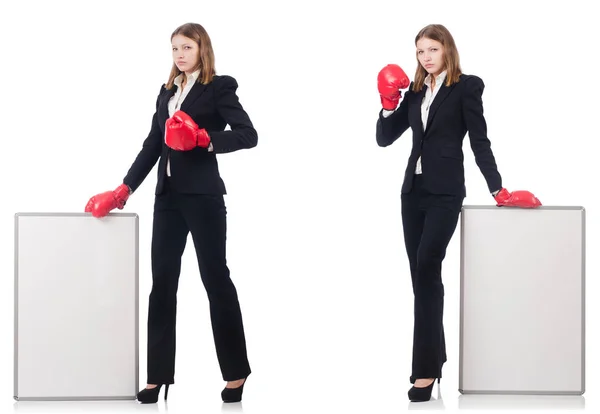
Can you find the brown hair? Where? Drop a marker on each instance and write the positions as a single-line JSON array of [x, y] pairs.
[[206, 64], [439, 33]]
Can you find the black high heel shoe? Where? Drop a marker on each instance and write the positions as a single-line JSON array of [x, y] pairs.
[[421, 394], [231, 395], [150, 395]]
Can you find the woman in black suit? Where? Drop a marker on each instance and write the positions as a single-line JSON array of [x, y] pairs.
[[187, 131], [440, 106]]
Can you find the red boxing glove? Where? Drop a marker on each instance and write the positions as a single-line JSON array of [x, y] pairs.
[[183, 134], [101, 204], [521, 198], [389, 82]]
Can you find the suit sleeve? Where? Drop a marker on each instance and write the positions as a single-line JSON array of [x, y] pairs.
[[477, 127], [391, 128], [148, 155], [242, 134]]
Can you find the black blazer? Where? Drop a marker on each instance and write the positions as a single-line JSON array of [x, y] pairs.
[[212, 107], [454, 111]]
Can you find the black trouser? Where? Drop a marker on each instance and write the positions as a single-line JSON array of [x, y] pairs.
[[205, 217], [429, 221]]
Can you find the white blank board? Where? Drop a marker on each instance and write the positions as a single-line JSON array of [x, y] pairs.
[[522, 316], [76, 306]]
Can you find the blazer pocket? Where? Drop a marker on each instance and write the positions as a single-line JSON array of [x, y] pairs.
[[451, 152]]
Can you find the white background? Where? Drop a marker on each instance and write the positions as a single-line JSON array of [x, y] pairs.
[[315, 239]]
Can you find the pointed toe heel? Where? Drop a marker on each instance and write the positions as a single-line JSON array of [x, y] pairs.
[[231, 395], [421, 394], [150, 395]]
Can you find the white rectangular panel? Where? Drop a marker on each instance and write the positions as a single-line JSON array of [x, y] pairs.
[[76, 306], [522, 316]]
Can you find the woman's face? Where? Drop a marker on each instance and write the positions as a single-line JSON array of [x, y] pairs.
[[186, 53], [431, 55]]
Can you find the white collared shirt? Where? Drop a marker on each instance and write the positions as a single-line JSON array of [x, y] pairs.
[[181, 93], [175, 102]]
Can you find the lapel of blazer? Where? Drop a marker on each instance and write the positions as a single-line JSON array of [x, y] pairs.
[[418, 101], [437, 101], [163, 109], [197, 90]]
